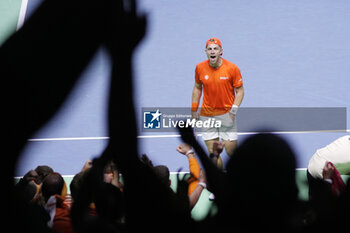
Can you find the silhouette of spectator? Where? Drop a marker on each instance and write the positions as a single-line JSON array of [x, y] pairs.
[[266, 192], [332, 213], [158, 203], [112, 175], [54, 191], [31, 215], [76, 183], [40, 64], [196, 182], [259, 192], [110, 210], [327, 164], [42, 171], [162, 172], [97, 205], [31, 95], [27, 187], [87, 165]]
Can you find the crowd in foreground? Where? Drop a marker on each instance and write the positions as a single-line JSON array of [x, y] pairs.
[[256, 193], [47, 191]]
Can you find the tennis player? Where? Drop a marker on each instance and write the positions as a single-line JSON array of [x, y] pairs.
[[221, 82]]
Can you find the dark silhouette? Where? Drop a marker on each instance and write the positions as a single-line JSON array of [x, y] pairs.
[[43, 60], [258, 193]]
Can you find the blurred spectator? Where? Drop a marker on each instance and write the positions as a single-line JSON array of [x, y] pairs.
[[258, 193], [29, 185], [76, 183], [196, 183], [337, 152], [87, 165], [193, 166], [110, 209], [27, 188], [111, 175], [261, 176], [54, 191], [327, 164], [162, 172], [43, 171]]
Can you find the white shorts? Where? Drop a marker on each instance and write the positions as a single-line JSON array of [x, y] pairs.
[[227, 131]]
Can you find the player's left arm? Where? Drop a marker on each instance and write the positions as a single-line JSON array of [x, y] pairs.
[[237, 102], [239, 91], [239, 96]]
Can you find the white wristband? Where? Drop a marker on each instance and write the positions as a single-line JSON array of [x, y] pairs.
[[234, 109], [189, 152], [204, 185]]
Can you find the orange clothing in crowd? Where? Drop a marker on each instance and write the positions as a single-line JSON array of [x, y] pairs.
[[218, 86], [194, 171], [62, 222]]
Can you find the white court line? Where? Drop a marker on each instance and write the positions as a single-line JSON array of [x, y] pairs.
[[67, 139], [177, 135], [97, 138], [22, 14]]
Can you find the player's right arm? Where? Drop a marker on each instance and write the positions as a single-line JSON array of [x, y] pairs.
[[196, 96]]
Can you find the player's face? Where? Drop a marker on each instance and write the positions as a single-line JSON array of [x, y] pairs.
[[213, 52]]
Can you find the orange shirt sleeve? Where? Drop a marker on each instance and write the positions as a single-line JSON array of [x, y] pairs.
[[194, 171], [196, 76], [237, 80]]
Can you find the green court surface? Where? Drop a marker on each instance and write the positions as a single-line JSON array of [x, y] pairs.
[[9, 12]]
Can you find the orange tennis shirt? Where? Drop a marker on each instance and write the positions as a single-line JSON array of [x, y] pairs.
[[218, 86]]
